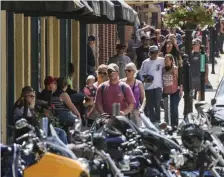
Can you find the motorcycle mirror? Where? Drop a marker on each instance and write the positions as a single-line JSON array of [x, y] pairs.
[[22, 123], [213, 101]]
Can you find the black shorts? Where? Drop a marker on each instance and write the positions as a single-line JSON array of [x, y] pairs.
[[196, 83]]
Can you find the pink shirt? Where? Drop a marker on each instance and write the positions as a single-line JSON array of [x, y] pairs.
[[170, 80], [112, 93], [87, 91]]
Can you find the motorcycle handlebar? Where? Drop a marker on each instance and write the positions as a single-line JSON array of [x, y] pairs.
[[27, 135], [214, 153], [116, 171]]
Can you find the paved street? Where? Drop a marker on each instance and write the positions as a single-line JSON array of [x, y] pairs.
[[214, 80]]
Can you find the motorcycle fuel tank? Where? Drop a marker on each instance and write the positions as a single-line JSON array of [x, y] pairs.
[[56, 166]]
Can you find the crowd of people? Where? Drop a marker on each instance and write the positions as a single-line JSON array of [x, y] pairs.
[[137, 77]]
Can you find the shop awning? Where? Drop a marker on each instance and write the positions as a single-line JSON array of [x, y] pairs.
[[89, 12], [103, 12], [111, 12], [123, 12], [41, 6]]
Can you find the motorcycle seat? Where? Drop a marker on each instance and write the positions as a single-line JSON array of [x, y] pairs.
[[200, 104]]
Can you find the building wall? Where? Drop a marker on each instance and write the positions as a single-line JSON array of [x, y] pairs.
[[128, 32], [3, 77], [107, 41], [23, 41]]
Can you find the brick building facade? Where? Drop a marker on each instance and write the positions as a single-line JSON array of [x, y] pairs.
[[106, 40]]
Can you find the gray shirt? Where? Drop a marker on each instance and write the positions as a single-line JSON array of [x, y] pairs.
[[121, 61], [195, 64], [18, 112]]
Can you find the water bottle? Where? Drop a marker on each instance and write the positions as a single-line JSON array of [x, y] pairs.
[[45, 126]]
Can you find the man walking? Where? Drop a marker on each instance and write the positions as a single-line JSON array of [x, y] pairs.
[[195, 67], [120, 59], [142, 51], [91, 63], [114, 91], [151, 74]]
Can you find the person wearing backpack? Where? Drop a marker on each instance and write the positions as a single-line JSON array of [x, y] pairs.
[[114, 91]]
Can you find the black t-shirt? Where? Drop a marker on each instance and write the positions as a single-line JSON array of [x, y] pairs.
[[44, 95], [90, 57], [142, 54], [195, 63]]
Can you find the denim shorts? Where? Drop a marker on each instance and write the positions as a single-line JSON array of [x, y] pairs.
[[66, 117]]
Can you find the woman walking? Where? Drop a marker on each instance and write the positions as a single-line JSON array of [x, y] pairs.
[[137, 89], [170, 87]]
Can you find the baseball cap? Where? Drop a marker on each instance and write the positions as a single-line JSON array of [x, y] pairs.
[[120, 46], [196, 41], [49, 80], [113, 67], [153, 48], [91, 38]]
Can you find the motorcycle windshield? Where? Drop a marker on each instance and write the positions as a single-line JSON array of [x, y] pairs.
[[158, 139], [147, 123], [54, 142], [219, 114]]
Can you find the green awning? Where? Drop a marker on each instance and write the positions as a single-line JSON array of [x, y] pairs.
[[41, 6]]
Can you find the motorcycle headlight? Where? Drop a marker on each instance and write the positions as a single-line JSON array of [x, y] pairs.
[[85, 164], [84, 174]]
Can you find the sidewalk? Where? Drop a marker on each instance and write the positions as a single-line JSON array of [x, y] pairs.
[[209, 94]]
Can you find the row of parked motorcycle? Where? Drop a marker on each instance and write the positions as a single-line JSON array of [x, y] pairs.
[[115, 147]]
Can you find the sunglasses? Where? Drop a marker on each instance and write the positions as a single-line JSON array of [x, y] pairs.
[[102, 73], [110, 71], [128, 70], [153, 52]]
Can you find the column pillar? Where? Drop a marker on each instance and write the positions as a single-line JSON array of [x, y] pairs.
[[27, 50], [50, 46], [19, 53], [3, 91], [10, 71], [56, 47], [75, 40], [43, 52], [83, 54]]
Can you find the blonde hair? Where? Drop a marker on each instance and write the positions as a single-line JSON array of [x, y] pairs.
[[102, 66], [132, 66], [90, 77]]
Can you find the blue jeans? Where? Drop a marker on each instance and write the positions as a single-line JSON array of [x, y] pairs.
[[67, 118], [174, 103], [152, 108], [62, 135]]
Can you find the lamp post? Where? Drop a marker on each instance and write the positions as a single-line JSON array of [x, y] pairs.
[[202, 72], [187, 82], [187, 85], [212, 49]]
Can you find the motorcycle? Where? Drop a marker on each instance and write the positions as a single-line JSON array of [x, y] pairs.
[[36, 155], [153, 148], [203, 152], [209, 119]]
